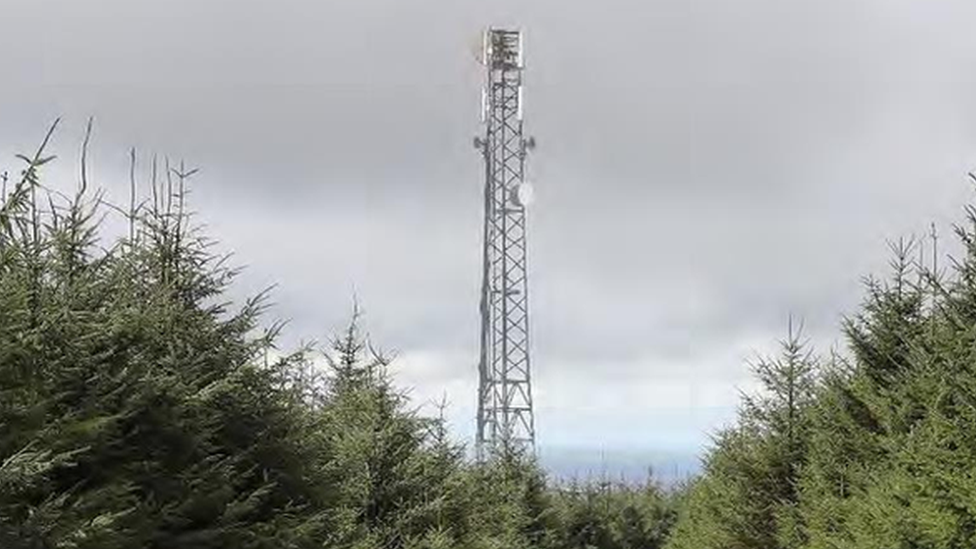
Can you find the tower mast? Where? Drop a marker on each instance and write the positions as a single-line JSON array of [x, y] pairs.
[[505, 416]]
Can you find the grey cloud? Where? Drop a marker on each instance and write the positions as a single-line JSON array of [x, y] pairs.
[[705, 168]]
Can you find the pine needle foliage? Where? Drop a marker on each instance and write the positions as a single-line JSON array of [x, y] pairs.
[[880, 453], [140, 407], [137, 409]]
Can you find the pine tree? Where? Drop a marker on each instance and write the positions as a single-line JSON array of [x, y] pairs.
[[749, 495], [400, 478], [864, 406], [137, 410]]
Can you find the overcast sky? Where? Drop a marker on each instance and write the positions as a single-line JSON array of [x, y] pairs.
[[704, 169]]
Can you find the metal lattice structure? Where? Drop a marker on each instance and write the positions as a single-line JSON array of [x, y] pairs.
[[505, 416]]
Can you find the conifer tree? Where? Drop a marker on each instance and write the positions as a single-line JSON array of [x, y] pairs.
[[863, 405], [749, 495], [137, 410], [403, 483]]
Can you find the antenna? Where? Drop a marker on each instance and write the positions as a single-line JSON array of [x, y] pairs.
[[505, 414]]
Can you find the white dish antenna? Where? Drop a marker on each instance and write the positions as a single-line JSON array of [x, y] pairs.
[[523, 194]]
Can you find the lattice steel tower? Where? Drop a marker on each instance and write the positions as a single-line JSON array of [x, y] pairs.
[[505, 416]]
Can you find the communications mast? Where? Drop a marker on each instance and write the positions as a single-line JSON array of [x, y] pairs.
[[505, 418]]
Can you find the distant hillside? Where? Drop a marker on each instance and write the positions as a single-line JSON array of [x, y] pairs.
[[631, 466]]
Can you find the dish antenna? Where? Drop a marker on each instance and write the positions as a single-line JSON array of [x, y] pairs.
[[523, 194]]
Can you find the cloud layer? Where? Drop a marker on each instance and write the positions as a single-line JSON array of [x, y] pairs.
[[705, 169]]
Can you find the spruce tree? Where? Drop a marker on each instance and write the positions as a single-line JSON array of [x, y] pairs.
[[137, 409], [749, 495]]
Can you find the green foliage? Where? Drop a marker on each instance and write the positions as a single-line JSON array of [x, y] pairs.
[[749, 495], [882, 453], [139, 408], [612, 516], [401, 483]]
